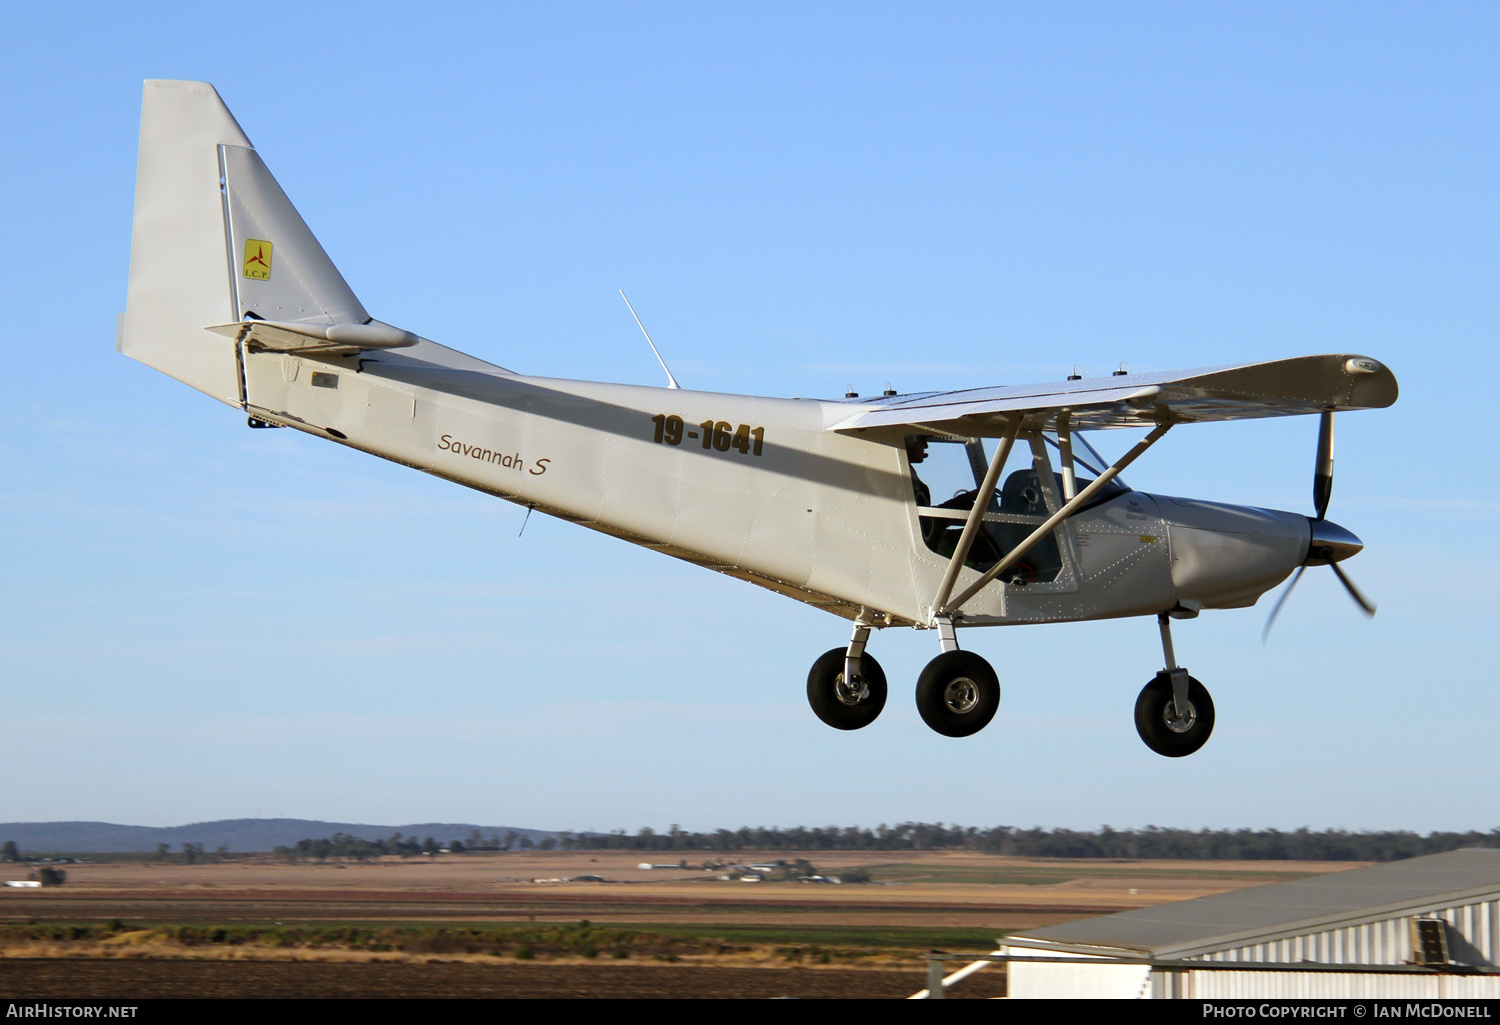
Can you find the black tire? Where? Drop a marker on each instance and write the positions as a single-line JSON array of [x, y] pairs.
[[831, 701], [958, 694], [1154, 720]]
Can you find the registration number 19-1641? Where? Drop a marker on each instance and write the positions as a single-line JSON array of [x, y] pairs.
[[717, 435]]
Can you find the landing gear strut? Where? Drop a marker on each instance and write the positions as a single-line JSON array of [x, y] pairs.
[[846, 686], [1173, 714], [958, 692]]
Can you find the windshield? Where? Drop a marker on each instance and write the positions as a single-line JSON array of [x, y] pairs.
[[1087, 464]]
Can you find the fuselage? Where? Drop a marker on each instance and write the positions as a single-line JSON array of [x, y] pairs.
[[758, 488]]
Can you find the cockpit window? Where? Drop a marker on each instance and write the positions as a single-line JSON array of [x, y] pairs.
[[945, 477], [944, 468]]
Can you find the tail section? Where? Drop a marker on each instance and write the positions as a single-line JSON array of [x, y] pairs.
[[216, 240]]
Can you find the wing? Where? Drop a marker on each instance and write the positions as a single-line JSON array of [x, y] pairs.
[[1283, 387]]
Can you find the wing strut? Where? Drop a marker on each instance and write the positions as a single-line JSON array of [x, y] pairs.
[[1065, 453], [1070, 507], [976, 514]]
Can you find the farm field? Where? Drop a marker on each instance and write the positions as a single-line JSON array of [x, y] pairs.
[[912, 890], [505, 925], [145, 980], [919, 889]]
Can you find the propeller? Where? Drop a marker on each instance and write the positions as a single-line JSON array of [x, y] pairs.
[[1330, 543]]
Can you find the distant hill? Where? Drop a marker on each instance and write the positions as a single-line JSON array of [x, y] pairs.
[[240, 835]]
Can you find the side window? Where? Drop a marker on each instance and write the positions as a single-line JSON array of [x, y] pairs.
[[1022, 496], [942, 471], [945, 478]]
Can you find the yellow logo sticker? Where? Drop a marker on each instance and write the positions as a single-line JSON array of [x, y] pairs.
[[258, 259]]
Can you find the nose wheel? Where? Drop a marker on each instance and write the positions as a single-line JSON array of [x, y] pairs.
[[1165, 725], [1173, 713]]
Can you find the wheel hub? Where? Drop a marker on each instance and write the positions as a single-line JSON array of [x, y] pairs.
[[961, 695], [1180, 723], [848, 695]]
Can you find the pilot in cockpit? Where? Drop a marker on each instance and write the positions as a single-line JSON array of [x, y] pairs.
[[916, 451]]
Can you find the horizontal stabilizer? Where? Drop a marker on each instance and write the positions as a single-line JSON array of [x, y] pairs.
[[324, 339], [1284, 387]]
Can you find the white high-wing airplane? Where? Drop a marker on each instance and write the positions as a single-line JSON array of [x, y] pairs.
[[829, 502]]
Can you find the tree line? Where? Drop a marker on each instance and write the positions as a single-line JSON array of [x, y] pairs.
[[1150, 842], [354, 848]]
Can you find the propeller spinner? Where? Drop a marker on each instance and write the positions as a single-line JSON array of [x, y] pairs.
[[1330, 544]]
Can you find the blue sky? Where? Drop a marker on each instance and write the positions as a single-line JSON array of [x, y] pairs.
[[198, 621]]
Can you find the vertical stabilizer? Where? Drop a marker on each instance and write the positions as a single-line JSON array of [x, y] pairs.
[[179, 277], [215, 239]]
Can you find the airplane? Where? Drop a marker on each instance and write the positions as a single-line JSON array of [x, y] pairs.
[[830, 502]]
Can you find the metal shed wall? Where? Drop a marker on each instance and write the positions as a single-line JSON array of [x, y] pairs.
[[1083, 981], [1473, 938], [1361, 917]]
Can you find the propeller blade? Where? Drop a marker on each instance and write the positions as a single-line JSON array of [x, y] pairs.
[[1323, 471], [1359, 599], [1271, 620]]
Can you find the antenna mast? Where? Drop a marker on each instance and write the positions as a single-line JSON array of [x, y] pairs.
[[671, 381]]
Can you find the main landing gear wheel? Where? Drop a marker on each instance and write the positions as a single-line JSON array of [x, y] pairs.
[[837, 703], [958, 694], [1159, 725]]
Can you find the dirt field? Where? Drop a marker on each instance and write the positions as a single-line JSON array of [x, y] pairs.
[[913, 890], [141, 980]]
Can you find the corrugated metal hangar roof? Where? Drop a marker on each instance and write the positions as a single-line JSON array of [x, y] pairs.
[[1266, 913]]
